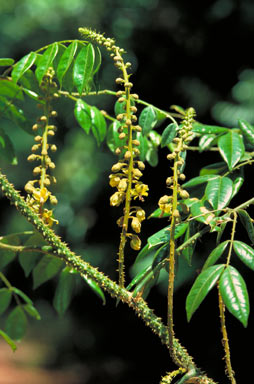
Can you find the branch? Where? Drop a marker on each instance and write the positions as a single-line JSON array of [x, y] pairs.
[[61, 250]]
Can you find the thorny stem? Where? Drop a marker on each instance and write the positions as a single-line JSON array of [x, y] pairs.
[[171, 277], [225, 341], [61, 250], [232, 238]]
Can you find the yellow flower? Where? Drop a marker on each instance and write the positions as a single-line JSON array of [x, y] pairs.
[[48, 218], [41, 195], [117, 198], [140, 191], [135, 243], [135, 225]]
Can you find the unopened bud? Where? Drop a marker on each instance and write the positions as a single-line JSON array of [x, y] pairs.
[[135, 243]]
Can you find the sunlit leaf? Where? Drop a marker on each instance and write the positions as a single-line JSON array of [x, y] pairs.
[[82, 113], [208, 129], [201, 213], [219, 192], [99, 126], [46, 61], [6, 62], [83, 67], [139, 277], [147, 119], [206, 141], [202, 285], [22, 66], [66, 60], [168, 134], [231, 148], [213, 169], [247, 130], [234, 294], [163, 235], [16, 324], [245, 253]]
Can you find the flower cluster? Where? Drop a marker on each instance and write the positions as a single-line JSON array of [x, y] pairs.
[[37, 189], [180, 144]]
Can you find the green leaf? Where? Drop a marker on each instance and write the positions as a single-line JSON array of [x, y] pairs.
[[47, 268], [32, 311], [234, 294], [231, 148], [199, 180], [245, 253], [208, 129], [152, 155], [22, 295], [99, 126], [219, 192], [97, 60], [188, 251], [113, 140], [237, 183], [139, 277], [215, 254], [64, 290], [94, 286], [10, 89], [213, 169], [161, 254], [28, 260], [83, 67], [206, 141], [22, 66], [5, 62], [168, 134], [145, 285], [202, 285], [146, 251], [7, 149], [201, 213], [16, 324], [83, 115], [8, 340], [66, 60], [143, 147], [163, 235], [46, 61], [147, 119], [247, 130], [7, 256], [247, 223], [5, 299]]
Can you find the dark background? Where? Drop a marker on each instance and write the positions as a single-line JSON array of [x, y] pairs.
[[187, 53]]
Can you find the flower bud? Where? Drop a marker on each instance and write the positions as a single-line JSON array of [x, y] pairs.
[[117, 198], [135, 225], [53, 200], [117, 167], [141, 165], [140, 214], [36, 170], [114, 180], [127, 155], [137, 173], [31, 157], [122, 186], [135, 243]]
